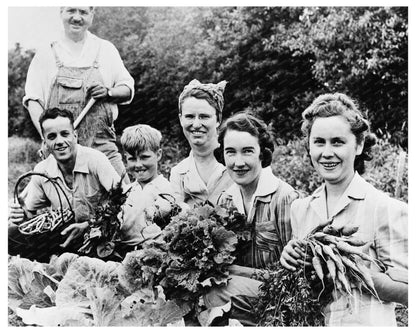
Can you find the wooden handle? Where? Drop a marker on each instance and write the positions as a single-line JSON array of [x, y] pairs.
[[84, 112]]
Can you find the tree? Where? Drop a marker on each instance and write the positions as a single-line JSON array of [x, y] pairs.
[[19, 122]]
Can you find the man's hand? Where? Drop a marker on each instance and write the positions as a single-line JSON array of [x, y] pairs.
[[97, 90], [16, 213], [75, 230], [293, 255]]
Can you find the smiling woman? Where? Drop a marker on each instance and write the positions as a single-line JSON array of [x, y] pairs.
[[339, 140], [259, 195], [200, 177]]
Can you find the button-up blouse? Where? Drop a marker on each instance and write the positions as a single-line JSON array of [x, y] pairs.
[[268, 218], [383, 222]]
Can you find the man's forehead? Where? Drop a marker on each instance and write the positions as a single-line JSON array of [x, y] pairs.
[[89, 9], [57, 123]]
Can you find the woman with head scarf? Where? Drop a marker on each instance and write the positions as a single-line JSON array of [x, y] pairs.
[[200, 177]]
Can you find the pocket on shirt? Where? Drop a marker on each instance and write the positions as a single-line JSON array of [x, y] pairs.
[[267, 241]]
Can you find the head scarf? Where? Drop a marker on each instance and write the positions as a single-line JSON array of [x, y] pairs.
[[213, 90]]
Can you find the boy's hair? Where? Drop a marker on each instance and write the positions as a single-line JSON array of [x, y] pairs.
[[55, 113], [139, 138]]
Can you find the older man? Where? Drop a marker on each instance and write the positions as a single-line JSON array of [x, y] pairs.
[[84, 174], [68, 72]]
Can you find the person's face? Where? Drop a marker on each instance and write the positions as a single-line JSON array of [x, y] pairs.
[[143, 165], [76, 20], [199, 122], [333, 148], [242, 157], [60, 138]]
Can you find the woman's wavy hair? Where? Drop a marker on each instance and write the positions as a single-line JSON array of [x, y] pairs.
[[245, 121], [338, 104]]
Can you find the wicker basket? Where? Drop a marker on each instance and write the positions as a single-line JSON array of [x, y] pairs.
[[39, 238]]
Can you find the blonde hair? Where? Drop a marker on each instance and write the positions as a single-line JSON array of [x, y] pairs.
[[140, 137]]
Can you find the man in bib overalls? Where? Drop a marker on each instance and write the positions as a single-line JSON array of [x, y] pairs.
[[69, 72]]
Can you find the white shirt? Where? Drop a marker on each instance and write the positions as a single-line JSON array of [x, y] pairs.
[[43, 70]]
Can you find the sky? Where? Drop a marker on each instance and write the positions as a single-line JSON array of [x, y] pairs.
[[31, 26]]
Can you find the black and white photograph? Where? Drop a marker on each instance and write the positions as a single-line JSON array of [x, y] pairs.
[[208, 165]]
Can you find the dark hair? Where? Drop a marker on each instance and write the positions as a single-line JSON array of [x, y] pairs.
[[338, 104], [246, 122], [53, 114]]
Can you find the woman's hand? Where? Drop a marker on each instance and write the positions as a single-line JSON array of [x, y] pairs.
[[76, 230], [293, 255], [389, 290], [242, 271]]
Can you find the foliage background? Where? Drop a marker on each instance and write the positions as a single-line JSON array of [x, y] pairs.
[[275, 59]]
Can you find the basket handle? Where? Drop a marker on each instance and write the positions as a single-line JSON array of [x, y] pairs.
[[53, 182]]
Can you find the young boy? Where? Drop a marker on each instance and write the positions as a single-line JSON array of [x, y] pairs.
[[141, 145]]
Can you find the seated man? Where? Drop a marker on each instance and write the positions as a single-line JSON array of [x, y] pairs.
[[141, 145], [84, 174]]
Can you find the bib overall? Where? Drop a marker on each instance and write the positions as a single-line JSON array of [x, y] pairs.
[[69, 91]]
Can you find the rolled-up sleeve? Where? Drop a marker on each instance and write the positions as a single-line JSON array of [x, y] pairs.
[[36, 82], [391, 241], [120, 74]]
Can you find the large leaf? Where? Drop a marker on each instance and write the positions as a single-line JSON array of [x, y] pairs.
[[104, 305], [55, 316], [85, 273], [27, 284], [206, 317], [142, 309]]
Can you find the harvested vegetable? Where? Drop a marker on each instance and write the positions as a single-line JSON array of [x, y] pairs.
[[338, 264], [103, 233]]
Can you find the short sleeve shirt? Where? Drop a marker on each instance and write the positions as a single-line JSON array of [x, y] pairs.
[[135, 226], [93, 177], [43, 70]]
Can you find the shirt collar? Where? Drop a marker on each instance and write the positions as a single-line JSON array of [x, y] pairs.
[[355, 189], [81, 164], [267, 185], [190, 165]]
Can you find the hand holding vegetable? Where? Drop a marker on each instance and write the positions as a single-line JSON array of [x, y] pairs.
[[76, 230], [293, 254]]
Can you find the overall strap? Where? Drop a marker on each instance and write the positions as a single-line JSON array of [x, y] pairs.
[[95, 63], [59, 63]]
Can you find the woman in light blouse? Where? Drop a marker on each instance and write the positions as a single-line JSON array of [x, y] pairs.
[[200, 177], [339, 142]]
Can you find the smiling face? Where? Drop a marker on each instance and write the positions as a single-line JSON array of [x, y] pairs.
[[143, 165], [60, 139], [242, 157], [76, 20], [199, 122], [333, 148]]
